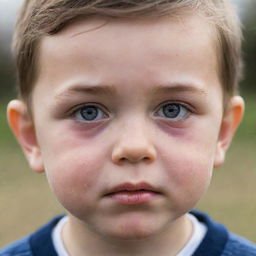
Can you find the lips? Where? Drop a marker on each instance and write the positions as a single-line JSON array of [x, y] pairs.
[[133, 193]]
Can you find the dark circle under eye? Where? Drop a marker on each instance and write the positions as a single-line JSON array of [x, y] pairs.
[[171, 110], [89, 112]]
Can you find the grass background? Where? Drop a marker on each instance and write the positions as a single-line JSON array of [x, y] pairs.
[[26, 201]]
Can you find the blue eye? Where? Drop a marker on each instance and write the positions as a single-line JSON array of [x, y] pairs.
[[174, 111], [89, 113]]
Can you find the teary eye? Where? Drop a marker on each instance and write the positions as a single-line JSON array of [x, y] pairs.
[[173, 111], [89, 113]]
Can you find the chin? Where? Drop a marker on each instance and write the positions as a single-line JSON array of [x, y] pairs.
[[135, 228], [132, 234]]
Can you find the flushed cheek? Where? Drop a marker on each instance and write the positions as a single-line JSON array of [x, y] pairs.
[[74, 177], [188, 177], [70, 159]]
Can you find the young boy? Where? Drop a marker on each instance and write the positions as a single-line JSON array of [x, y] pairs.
[[127, 106]]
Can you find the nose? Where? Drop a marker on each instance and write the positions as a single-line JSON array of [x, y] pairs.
[[134, 145]]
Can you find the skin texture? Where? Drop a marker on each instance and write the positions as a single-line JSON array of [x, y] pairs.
[[130, 70]]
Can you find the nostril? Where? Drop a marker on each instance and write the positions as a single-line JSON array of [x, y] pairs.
[[135, 159], [120, 161], [147, 159], [132, 154]]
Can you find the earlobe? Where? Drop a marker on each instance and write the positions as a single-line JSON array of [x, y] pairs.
[[230, 122], [23, 128]]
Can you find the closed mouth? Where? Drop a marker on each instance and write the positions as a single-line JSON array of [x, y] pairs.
[[133, 193], [133, 187]]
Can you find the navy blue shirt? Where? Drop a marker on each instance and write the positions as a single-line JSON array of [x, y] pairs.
[[217, 241]]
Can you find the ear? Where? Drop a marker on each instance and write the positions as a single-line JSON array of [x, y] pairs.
[[230, 122], [23, 128]]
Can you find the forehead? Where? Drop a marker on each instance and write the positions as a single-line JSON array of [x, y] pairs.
[[131, 51], [130, 32]]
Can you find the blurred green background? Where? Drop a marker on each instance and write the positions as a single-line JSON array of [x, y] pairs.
[[25, 199]]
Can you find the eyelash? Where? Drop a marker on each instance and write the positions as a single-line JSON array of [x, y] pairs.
[[78, 109], [180, 106]]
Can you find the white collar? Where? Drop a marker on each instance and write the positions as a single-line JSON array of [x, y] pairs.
[[199, 231]]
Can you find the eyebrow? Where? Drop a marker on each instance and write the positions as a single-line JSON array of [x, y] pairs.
[[179, 88], [87, 89], [109, 90]]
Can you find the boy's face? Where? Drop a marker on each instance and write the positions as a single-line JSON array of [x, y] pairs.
[[128, 120]]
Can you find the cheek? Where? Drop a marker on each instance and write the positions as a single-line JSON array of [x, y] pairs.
[[69, 173], [73, 170], [188, 172], [188, 180], [70, 159]]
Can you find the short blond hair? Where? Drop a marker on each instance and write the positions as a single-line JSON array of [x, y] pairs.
[[39, 18]]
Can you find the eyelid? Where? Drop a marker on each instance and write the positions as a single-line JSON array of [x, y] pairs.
[[183, 104], [74, 109], [185, 112]]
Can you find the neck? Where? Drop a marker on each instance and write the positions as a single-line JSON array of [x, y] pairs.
[[80, 240]]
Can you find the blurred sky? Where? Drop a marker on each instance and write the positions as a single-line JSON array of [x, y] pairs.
[[8, 11]]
